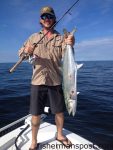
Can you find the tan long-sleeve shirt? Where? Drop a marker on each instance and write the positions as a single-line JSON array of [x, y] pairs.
[[47, 67]]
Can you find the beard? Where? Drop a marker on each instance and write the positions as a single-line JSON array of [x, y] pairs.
[[47, 27]]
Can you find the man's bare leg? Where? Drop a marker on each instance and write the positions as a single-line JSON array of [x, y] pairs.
[[35, 126], [59, 119]]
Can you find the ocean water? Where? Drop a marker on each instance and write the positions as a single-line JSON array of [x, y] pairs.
[[94, 116]]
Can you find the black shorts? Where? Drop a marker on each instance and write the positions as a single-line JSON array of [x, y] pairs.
[[43, 95]]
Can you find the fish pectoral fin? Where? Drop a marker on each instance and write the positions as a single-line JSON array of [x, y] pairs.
[[79, 66], [78, 93]]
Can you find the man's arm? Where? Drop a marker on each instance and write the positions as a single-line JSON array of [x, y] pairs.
[[27, 48]]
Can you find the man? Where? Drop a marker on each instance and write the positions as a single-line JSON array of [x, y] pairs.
[[47, 78]]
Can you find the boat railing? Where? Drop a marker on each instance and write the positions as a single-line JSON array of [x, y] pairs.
[[8, 127], [17, 123]]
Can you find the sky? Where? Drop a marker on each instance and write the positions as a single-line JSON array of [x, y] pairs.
[[92, 18]]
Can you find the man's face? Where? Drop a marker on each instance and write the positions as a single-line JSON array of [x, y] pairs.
[[47, 20]]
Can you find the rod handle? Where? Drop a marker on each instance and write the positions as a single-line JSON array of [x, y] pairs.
[[17, 64]]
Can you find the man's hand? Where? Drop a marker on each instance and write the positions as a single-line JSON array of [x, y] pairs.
[[28, 49], [70, 40]]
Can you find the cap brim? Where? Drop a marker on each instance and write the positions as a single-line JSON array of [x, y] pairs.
[[48, 13]]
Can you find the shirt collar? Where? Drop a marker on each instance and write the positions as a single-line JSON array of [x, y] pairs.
[[56, 33]]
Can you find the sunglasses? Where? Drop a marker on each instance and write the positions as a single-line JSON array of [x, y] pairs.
[[47, 16]]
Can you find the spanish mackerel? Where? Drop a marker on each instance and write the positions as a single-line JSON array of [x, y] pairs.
[[70, 68]]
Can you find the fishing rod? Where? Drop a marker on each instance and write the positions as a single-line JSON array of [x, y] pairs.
[[25, 55]]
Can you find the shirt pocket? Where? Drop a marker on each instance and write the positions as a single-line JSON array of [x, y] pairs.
[[57, 47], [57, 51], [39, 48]]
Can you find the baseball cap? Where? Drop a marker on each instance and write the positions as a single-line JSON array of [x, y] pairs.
[[47, 10]]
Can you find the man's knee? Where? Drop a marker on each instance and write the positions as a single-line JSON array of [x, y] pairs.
[[35, 122], [59, 114]]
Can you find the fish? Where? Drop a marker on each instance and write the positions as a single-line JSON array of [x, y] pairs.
[[69, 72]]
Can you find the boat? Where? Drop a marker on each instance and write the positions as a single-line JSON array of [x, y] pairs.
[[17, 136]]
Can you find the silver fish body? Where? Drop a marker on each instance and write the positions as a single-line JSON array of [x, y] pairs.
[[70, 80]]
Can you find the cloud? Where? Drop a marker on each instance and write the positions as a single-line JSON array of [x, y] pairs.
[[95, 42], [96, 49]]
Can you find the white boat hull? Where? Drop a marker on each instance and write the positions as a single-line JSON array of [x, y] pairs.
[[46, 138]]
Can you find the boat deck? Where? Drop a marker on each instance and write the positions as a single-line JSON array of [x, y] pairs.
[[46, 138]]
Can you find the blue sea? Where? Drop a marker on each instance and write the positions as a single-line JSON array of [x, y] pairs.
[[94, 116]]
